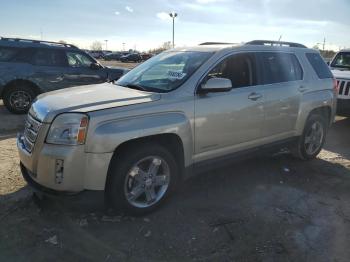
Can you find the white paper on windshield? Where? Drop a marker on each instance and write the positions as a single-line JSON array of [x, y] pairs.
[[175, 75]]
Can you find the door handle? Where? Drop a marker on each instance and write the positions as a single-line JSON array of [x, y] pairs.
[[302, 89], [254, 96]]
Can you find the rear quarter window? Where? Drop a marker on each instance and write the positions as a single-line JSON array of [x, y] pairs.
[[319, 65]]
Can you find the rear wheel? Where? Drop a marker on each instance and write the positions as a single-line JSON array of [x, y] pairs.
[[19, 98], [312, 140], [142, 178]]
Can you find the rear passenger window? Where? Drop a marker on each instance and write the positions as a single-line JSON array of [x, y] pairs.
[[7, 53], [240, 69], [319, 65], [280, 67], [43, 57]]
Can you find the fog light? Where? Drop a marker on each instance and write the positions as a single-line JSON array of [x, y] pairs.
[[59, 171]]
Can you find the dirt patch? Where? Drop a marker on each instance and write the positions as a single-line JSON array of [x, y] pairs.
[[119, 64]]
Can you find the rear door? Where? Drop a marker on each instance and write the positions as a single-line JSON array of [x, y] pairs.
[[80, 71], [282, 87], [48, 68]]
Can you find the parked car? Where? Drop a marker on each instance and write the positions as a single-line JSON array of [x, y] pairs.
[[340, 66], [145, 56], [131, 58], [177, 114], [113, 56], [97, 54], [29, 68]]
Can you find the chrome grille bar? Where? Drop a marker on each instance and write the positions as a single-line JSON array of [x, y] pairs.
[[31, 130]]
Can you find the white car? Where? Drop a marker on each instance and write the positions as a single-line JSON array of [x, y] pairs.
[[340, 66]]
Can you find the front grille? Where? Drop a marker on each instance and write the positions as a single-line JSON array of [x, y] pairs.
[[344, 88], [31, 130]]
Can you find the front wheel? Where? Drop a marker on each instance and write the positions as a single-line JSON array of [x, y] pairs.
[[141, 179], [312, 140]]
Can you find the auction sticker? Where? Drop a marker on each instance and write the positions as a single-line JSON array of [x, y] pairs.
[[176, 75]]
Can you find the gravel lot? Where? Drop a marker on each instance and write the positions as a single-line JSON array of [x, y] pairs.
[[267, 208]]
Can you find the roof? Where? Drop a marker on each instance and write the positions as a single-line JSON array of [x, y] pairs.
[[252, 45], [21, 42]]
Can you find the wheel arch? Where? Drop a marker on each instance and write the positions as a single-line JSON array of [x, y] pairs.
[[170, 141], [15, 82]]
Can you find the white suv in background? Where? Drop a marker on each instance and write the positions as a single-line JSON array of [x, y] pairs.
[[340, 66]]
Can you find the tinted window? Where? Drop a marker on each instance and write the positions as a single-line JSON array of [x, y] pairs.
[[240, 69], [280, 67], [319, 65], [7, 53], [45, 57], [342, 60], [76, 59]]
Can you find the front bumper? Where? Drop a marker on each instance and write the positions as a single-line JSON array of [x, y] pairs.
[[62, 169], [343, 107]]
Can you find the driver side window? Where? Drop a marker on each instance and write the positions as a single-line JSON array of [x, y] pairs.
[[76, 59], [240, 69]]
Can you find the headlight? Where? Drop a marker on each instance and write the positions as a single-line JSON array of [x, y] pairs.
[[68, 129]]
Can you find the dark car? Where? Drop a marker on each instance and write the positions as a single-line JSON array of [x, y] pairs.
[[31, 67], [131, 58], [113, 56]]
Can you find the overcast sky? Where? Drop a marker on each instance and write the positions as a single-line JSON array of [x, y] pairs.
[[146, 24]]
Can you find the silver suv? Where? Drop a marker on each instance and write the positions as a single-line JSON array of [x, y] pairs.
[[177, 113]]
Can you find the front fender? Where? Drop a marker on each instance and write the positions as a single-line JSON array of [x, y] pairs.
[[107, 136]]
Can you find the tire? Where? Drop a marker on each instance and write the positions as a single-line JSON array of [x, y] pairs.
[[304, 149], [131, 180], [18, 99]]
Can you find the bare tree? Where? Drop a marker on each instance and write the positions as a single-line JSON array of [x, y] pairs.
[[96, 46], [165, 46]]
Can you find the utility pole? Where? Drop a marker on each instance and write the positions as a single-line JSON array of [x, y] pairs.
[[106, 43], [324, 43], [173, 15], [123, 46]]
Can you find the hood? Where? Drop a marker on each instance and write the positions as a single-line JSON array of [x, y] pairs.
[[341, 74], [87, 98]]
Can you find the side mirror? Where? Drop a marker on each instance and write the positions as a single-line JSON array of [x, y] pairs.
[[216, 85], [95, 66], [328, 62]]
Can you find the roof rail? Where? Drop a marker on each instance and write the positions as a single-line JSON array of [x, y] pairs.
[[275, 43], [216, 43], [37, 41]]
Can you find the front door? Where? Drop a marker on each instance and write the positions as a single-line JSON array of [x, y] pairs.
[[80, 71], [229, 121]]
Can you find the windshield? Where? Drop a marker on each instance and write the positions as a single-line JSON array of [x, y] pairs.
[[342, 60], [164, 72]]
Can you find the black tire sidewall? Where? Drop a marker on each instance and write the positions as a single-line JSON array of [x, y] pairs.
[[301, 146], [10, 90], [120, 167]]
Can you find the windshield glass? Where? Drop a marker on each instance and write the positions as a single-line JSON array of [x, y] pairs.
[[164, 72], [342, 60]]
